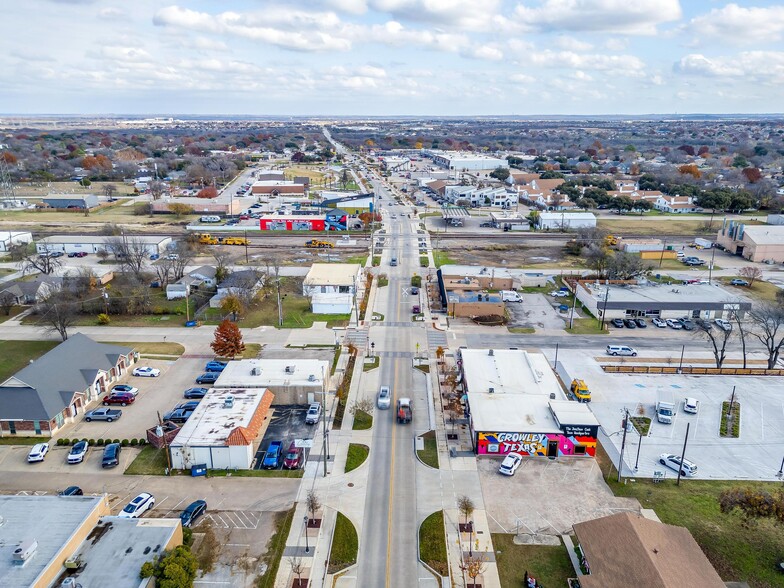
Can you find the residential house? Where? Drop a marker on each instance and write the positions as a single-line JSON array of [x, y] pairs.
[[51, 391], [676, 204], [244, 284], [651, 196], [544, 194], [332, 287], [71, 201], [32, 291], [518, 178], [626, 549], [203, 276], [626, 186]]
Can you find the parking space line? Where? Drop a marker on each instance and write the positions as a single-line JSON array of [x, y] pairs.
[[172, 509]]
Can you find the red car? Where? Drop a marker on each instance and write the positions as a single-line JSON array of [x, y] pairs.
[[121, 399], [293, 459]]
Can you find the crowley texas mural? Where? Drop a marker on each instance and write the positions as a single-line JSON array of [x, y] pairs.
[[543, 444]]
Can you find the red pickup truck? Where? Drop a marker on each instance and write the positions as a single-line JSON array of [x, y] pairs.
[[404, 410]]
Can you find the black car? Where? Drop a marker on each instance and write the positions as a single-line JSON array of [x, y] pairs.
[[629, 323], [179, 415], [71, 491], [617, 323], [208, 378], [641, 323], [193, 512], [195, 393], [687, 324], [111, 455], [705, 325]]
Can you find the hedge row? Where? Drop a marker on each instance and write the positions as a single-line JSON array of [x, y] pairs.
[[94, 442]]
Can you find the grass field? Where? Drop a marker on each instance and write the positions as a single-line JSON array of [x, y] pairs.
[[764, 291], [587, 326], [149, 462], [362, 421], [345, 544], [15, 310], [152, 348], [550, 565], [442, 258], [367, 366], [357, 454], [432, 543], [739, 552], [14, 355], [429, 455]]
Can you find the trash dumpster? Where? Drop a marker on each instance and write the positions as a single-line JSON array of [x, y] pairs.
[[199, 470]]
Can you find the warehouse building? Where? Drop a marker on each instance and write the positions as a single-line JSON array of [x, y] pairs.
[[72, 201], [9, 239], [154, 245], [754, 242], [628, 299], [292, 382], [565, 221], [464, 161], [514, 402], [223, 431]]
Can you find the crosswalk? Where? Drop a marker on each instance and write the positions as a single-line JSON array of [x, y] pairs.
[[407, 354], [357, 337], [436, 339]]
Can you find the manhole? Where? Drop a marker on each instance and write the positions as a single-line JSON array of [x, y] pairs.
[[351, 484]]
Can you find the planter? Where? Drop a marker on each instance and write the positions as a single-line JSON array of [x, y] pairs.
[[314, 523]]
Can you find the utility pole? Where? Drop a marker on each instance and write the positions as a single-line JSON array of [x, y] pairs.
[[604, 308], [246, 246], [623, 442], [683, 453], [165, 443], [324, 416], [710, 267]]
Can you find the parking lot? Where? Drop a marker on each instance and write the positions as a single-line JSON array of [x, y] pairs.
[[755, 455], [13, 458], [535, 311], [547, 497], [286, 425], [156, 395]]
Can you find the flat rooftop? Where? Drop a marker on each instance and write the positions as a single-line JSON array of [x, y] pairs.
[[672, 293], [569, 412], [76, 239], [50, 520], [333, 274], [511, 413], [116, 549], [274, 373], [471, 296], [214, 420], [508, 372]]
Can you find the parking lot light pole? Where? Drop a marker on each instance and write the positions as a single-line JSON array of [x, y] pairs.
[[307, 546], [781, 469], [639, 444]]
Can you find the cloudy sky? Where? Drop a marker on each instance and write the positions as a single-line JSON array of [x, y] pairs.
[[391, 57]]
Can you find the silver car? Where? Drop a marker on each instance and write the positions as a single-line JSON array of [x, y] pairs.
[[384, 397]]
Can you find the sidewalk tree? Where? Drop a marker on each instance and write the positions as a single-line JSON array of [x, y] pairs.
[[313, 503], [33, 262], [228, 340], [297, 568], [768, 328], [465, 506], [440, 356], [716, 337], [741, 327], [751, 273], [474, 565]]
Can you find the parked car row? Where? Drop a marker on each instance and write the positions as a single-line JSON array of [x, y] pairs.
[[77, 454]]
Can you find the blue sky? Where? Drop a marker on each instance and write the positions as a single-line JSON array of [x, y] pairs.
[[391, 57]]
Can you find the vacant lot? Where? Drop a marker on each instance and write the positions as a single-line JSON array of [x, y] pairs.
[[14, 355], [659, 226], [550, 565]]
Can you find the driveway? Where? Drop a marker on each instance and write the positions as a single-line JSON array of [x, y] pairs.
[[156, 395], [535, 311], [547, 497], [286, 425]]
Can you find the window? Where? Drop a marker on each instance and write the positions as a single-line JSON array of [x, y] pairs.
[[323, 289], [343, 289], [37, 427], [12, 427]]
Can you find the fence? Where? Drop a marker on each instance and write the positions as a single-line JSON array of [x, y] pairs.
[[690, 370]]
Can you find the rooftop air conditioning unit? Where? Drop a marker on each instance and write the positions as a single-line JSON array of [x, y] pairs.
[[228, 402], [491, 390], [256, 371], [24, 551], [490, 353], [289, 369], [311, 378]]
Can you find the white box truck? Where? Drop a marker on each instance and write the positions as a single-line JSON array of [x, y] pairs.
[[510, 296], [665, 412]]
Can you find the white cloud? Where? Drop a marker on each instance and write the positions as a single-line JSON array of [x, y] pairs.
[[617, 44], [285, 29], [759, 66], [465, 14], [639, 17], [736, 24], [520, 78], [571, 44], [622, 65], [125, 54], [111, 13], [485, 52]]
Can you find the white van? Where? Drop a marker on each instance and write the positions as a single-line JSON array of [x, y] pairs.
[[621, 350], [210, 219], [510, 296]]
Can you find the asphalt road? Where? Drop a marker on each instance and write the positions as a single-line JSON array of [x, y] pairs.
[[387, 555]]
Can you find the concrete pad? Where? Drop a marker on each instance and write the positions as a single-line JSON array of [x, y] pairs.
[[536, 310]]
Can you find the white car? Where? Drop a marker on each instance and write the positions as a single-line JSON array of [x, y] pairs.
[[687, 468], [510, 464], [146, 372], [124, 389], [691, 405], [559, 294], [78, 452], [138, 506], [384, 397], [724, 325], [38, 452], [661, 323], [673, 324]]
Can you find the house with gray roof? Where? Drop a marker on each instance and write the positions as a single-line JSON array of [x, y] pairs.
[[50, 392], [32, 291]]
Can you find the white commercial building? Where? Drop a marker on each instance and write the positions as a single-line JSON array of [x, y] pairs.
[[299, 381], [332, 287], [9, 239], [222, 432], [396, 163], [153, 245], [565, 221], [465, 161]]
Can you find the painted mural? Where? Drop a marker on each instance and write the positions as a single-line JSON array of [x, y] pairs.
[[543, 444]]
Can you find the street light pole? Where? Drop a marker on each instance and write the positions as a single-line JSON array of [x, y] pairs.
[[307, 546], [604, 308], [623, 442]]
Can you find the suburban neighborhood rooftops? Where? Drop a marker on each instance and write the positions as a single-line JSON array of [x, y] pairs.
[[49, 520], [627, 549], [507, 372], [115, 551], [271, 373], [333, 274], [226, 416]]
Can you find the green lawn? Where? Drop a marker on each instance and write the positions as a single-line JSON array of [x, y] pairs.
[[432, 543], [357, 454], [764, 291], [367, 366], [587, 326], [153, 348], [14, 355], [550, 565], [14, 440], [442, 258], [15, 310], [345, 544], [429, 455], [738, 552], [522, 330], [362, 421], [360, 259], [149, 462]]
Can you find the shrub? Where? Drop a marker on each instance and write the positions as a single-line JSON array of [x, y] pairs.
[[416, 281], [124, 442], [91, 442], [134, 442], [103, 319], [142, 441], [63, 441], [159, 310], [116, 441]]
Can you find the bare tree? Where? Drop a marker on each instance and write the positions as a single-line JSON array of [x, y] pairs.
[[222, 258], [181, 256], [313, 503], [768, 328], [156, 188], [7, 302], [740, 327], [297, 568], [43, 263], [164, 270], [57, 315], [131, 252], [717, 337], [597, 258], [466, 506], [109, 190], [474, 565], [17, 252], [751, 273], [363, 404]]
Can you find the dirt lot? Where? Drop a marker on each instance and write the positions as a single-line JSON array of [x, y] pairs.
[[513, 252]]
